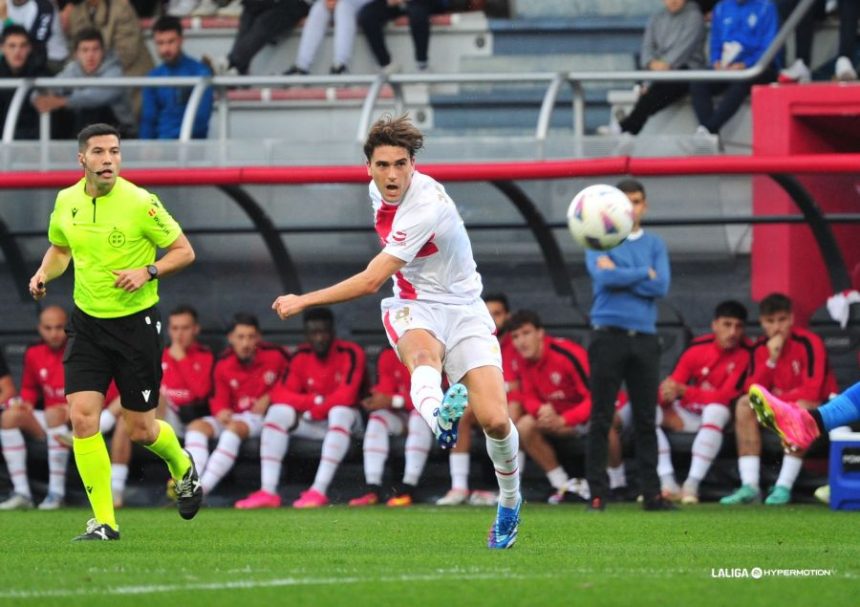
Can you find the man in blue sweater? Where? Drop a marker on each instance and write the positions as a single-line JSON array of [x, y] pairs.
[[627, 282], [164, 107]]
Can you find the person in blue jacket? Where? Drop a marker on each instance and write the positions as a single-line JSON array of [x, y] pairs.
[[164, 107]]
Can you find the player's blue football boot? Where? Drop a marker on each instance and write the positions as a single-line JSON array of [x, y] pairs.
[[448, 415], [503, 532]]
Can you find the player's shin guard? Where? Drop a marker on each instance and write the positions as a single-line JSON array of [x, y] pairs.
[[426, 392], [375, 449], [334, 447], [419, 441], [58, 461], [91, 457], [274, 442], [222, 460], [503, 453], [167, 447], [15, 454]]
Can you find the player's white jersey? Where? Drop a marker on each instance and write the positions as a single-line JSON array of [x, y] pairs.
[[426, 231]]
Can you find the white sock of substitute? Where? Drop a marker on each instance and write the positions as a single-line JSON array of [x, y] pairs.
[[617, 477], [503, 452], [118, 478], [708, 440], [664, 456], [791, 465], [197, 444], [58, 461], [426, 392], [274, 442], [107, 421], [334, 447], [375, 449], [222, 460], [521, 461], [459, 463], [419, 440], [748, 466], [15, 454], [557, 477]]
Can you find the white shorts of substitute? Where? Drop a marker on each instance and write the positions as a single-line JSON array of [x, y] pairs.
[[252, 420], [313, 429], [466, 331]]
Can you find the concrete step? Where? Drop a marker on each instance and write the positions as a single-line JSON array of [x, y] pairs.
[[549, 62], [579, 8], [557, 35]]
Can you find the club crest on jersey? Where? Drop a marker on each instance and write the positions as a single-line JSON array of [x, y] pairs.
[[269, 377], [234, 383], [555, 377], [43, 374], [116, 238], [795, 366]]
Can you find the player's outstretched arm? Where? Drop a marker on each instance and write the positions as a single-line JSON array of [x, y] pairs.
[[368, 281], [54, 263]]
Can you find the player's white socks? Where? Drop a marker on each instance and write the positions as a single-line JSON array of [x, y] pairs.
[[221, 461], [503, 452], [118, 478], [459, 464], [274, 442], [15, 454], [521, 461], [376, 449], [708, 441], [58, 461], [197, 444], [664, 456], [791, 465], [557, 477], [107, 421], [334, 447], [426, 392], [748, 466], [419, 440], [617, 477]]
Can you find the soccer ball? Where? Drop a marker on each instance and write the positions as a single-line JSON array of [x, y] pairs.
[[600, 217]]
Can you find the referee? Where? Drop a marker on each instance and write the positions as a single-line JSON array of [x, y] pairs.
[[111, 228]]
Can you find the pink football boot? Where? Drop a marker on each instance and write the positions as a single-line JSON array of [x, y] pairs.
[[311, 499], [794, 425], [259, 499]]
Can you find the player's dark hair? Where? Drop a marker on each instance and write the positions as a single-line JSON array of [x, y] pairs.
[[15, 30], [498, 297], [184, 309], [397, 132], [631, 186], [773, 303], [243, 318], [322, 314], [167, 23], [521, 318], [87, 34], [95, 130], [731, 309]]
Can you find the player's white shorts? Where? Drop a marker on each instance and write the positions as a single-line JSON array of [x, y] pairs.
[[625, 413], [313, 429], [466, 331], [252, 420]]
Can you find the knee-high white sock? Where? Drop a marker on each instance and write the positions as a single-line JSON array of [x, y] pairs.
[[118, 478], [522, 458], [503, 452], [274, 442], [334, 447], [426, 392], [791, 465], [664, 456], [107, 421], [58, 461], [557, 477], [418, 442], [197, 444], [459, 464], [708, 441], [15, 454], [375, 449], [222, 460], [748, 466], [617, 477]]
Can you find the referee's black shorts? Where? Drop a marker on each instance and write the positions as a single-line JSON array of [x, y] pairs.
[[125, 349]]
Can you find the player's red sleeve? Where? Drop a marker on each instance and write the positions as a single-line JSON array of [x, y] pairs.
[[529, 397], [727, 391], [220, 400], [683, 370], [346, 394], [31, 389], [292, 391], [199, 381], [578, 414], [385, 369], [815, 375]]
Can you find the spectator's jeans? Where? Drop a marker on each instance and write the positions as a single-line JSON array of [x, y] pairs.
[[261, 25], [657, 96], [615, 357], [375, 15], [733, 94]]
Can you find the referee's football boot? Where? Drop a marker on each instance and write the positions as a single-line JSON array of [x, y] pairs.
[[503, 532], [448, 415], [189, 492], [97, 532]]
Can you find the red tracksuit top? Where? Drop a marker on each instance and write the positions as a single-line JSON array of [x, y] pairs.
[[337, 379], [43, 380], [392, 377], [712, 375], [238, 385], [187, 381]]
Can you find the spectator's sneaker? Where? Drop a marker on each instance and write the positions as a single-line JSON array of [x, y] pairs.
[[17, 502], [778, 496], [483, 498], [311, 499], [259, 499], [296, 71], [181, 8], [232, 9], [794, 425], [822, 494], [206, 8], [399, 501], [596, 505], [503, 532], [797, 72], [98, 532], [454, 497], [746, 494], [448, 415], [338, 70], [52, 501], [371, 498], [189, 492], [845, 69]]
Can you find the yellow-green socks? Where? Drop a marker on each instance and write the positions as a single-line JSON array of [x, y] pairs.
[[167, 447], [91, 457]]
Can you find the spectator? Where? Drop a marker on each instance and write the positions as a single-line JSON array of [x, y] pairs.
[[553, 380], [345, 23], [94, 104], [741, 31], [627, 280], [164, 107], [18, 62], [377, 13], [674, 40], [799, 71], [791, 363], [849, 14], [42, 21], [318, 400], [392, 413], [243, 377], [698, 396]]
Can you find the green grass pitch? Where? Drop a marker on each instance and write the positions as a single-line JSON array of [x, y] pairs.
[[434, 556]]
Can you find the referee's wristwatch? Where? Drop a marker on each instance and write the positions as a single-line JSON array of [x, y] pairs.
[[153, 271]]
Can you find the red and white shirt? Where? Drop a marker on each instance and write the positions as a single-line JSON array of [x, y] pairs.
[[239, 384], [392, 378], [712, 375], [187, 381], [426, 231], [43, 381]]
